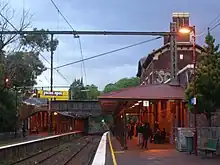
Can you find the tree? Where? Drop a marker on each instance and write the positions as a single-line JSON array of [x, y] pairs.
[[19, 61], [92, 92], [76, 90], [7, 111], [9, 13], [207, 80], [122, 83]]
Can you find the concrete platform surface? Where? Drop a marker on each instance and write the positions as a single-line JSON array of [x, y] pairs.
[[162, 154]]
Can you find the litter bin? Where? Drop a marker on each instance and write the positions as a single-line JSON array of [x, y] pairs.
[[189, 144]]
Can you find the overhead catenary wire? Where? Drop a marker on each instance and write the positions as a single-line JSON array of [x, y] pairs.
[[109, 52], [211, 26], [82, 57], [75, 36]]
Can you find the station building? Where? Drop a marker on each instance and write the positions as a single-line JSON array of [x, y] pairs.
[[166, 107]]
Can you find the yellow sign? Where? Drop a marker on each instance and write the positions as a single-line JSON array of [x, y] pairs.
[[55, 95]]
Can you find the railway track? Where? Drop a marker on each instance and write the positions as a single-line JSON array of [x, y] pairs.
[[43, 155], [85, 154], [79, 152]]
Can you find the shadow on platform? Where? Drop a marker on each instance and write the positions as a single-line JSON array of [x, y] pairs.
[[133, 145]]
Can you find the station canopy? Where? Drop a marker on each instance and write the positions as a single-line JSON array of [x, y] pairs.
[[111, 101]]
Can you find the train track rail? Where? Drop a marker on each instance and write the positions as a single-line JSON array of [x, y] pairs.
[[41, 156], [79, 152], [85, 154]]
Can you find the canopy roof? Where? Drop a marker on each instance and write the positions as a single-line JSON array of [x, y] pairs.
[[147, 92], [111, 101]]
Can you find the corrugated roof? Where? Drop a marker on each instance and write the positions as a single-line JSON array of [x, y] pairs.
[[150, 92], [78, 114], [35, 101]]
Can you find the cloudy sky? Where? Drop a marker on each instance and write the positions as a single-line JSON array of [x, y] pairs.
[[130, 15]]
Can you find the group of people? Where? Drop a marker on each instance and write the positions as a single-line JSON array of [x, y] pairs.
[[145, 134]]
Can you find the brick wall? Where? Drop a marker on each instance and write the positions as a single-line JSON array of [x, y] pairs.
[[202, 121]]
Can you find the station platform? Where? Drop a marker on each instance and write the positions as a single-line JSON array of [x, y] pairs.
[[156, 154]]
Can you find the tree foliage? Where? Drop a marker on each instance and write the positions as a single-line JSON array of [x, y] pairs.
[[19, 61], [207, 80], [92, 92], [7, 111], [78, 91], [122, 83]]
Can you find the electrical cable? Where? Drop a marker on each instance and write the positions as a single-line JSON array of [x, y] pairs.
[[215, 20], [83, 63], [109, 52], [80, 44]]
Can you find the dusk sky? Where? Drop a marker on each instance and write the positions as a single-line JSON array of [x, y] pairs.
[[130, 15]]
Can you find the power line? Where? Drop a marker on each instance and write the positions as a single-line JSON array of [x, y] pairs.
[[109, 52], [214, 26], [62, 14], [75, 36], [216, 19], [82, 57]]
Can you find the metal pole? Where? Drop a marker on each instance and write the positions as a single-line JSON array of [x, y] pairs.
[[194, 89], [125, 126], [51, 63], [51, 84], [173, 52], [16, 106], [133, 33]]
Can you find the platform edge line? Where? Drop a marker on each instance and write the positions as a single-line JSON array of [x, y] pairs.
[[112, 150]]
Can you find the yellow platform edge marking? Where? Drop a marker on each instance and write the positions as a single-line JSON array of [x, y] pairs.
[[112, 151]]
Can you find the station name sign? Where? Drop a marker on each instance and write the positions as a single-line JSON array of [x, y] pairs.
[[55, 93]]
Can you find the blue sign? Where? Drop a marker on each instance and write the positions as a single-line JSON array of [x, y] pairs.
[[193, 101]]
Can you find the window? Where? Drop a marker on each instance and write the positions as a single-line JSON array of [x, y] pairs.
[[181, 56]]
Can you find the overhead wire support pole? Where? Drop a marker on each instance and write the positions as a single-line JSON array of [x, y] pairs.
[[51, 85], [51, 63], [118, 33]]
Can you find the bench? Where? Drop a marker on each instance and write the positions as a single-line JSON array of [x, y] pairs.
[[210, 148]]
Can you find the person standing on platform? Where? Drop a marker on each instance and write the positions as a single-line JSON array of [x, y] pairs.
[[23, 131], [139, 133], [146, 135]]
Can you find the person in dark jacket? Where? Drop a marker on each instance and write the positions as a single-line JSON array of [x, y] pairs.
[[146, 134]]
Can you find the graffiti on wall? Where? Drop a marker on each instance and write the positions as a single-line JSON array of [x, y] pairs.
[[161, 76]]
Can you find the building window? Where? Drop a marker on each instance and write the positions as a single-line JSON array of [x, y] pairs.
[[181, 56]]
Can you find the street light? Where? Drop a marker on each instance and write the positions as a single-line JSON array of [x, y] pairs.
[[188, 30]]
